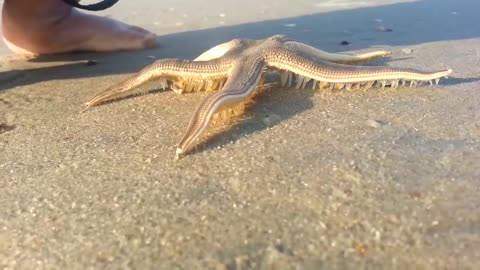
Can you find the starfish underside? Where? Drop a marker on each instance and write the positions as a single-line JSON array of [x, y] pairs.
[[236, 69]]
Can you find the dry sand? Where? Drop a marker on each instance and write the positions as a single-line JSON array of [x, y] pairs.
[[364, 179]]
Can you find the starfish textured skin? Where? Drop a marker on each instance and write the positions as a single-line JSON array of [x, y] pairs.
[[236, 68]]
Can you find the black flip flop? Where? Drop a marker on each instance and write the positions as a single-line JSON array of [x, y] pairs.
[[92, 7]]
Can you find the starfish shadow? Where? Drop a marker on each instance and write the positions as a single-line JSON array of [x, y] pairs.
[[277, 105], [270, 109], [456, 80]]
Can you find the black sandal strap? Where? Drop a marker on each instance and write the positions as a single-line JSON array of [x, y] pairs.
[[92, 7]]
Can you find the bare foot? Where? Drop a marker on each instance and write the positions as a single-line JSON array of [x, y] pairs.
[[51, 26]]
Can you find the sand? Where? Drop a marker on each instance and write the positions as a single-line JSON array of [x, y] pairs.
[[361, 179]]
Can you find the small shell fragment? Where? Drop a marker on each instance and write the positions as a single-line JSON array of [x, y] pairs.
[[374, 123]]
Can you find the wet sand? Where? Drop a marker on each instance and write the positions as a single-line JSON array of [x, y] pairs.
[[360, 179]]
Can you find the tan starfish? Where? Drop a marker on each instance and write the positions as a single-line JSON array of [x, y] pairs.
[[237, 67]]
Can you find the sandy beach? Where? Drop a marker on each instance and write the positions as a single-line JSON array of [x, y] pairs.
[[359, 179]]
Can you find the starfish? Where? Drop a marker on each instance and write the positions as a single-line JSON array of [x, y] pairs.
[[236, 68]]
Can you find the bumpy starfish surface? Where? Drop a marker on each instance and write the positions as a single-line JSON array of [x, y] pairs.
[[237, 67]]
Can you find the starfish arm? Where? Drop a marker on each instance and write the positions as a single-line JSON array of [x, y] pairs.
[[241, 83], [218, 51], [324, 71], [335, 57], [167, 69]]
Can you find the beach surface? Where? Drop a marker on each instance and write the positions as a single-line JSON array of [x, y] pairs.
[[359, 179]]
